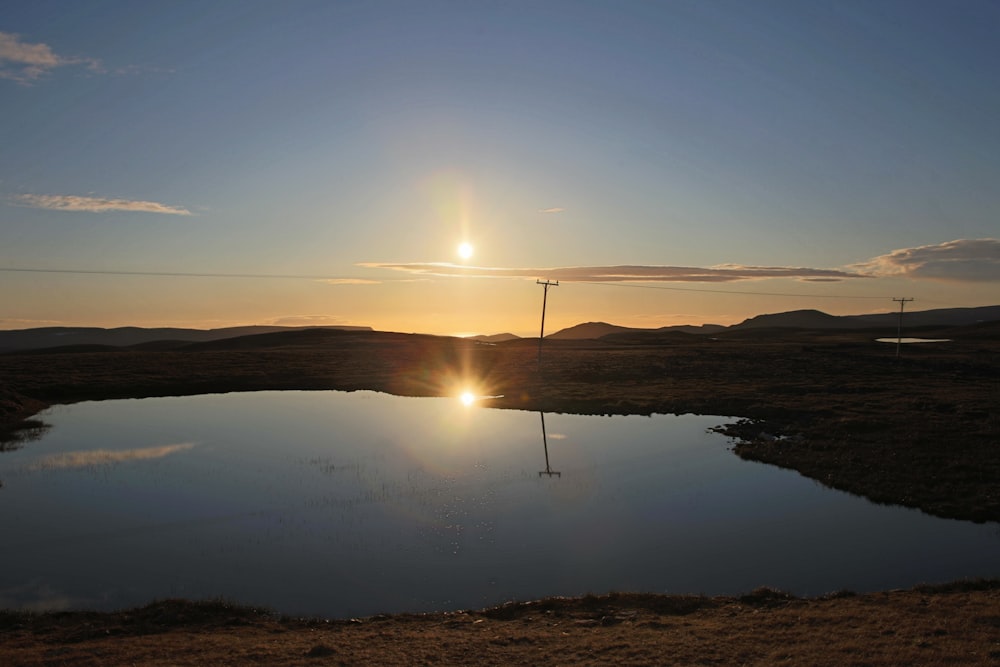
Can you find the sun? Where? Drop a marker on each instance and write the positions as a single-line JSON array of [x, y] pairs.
[[467, 398], [465, 250]]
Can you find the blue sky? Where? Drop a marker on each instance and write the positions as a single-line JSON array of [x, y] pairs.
[[839, 153]]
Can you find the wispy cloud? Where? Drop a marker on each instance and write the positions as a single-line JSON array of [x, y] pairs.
[[626, 273], [962, 260], [95, 204], [554, 209], [25, 62], [98, 457], [350, 281]]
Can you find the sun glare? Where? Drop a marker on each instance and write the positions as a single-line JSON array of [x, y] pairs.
[[465, 250], [467, 398]]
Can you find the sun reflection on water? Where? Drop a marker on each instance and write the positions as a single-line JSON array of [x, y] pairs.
[[469, 397]]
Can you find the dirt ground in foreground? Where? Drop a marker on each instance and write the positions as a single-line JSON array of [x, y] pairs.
[[953, 625]]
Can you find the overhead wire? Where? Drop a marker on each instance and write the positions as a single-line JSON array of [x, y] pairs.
[[179, 274]]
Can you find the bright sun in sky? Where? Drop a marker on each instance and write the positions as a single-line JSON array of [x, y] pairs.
[[468, 398], [465, 250]]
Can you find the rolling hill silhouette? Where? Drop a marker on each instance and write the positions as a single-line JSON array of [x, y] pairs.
[[81, 338], [802, 319], [48, 337]]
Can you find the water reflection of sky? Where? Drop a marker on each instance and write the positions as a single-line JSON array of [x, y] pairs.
[[105, 457], [346, 504]]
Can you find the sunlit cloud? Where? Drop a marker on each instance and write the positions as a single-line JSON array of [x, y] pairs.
[[95, 204], [625, 273], [554, 209], [99, 457], [350, 281], [25, 62], [962, 260]]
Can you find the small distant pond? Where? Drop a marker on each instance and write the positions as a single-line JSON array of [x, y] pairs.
[[349, 504]]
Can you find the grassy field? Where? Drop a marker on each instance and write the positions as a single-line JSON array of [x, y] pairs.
[[950, 625]]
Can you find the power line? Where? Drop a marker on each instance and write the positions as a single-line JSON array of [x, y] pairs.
[[177, 274]]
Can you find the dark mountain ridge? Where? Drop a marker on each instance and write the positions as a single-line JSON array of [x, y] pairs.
[[815, 319], [589, 330], [801, 319], [78, 338], [48, 337]]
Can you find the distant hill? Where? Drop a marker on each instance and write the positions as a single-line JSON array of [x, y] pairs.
[[815, 319], [796, 319], [588, 330], [46, 337], [695, 329], [80, 337], [495, 338], [591, 330], [943, 317]]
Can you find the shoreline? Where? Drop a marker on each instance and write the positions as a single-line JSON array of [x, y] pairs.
[[955, 623], [921, 431]]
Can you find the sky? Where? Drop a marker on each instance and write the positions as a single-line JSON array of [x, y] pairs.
[[226, 163]]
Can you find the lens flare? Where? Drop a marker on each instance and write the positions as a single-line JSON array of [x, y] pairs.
[[467, 398], [465, 250]]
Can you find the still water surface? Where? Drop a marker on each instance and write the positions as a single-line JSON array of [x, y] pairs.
[[345, 504]]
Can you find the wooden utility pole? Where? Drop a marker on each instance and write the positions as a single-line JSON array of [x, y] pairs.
[[545, 298], [899, 325]]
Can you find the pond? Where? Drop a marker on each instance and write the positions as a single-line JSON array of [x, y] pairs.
[[348, 504]]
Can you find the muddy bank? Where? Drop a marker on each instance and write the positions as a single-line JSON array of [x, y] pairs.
[[921, 431]]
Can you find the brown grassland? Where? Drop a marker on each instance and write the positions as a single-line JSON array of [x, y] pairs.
[[922, 431]]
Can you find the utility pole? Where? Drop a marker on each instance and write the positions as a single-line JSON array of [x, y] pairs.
[[899, 326], [545, 298]]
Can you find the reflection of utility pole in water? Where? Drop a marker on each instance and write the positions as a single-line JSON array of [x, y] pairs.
[[545, 443], [541, 335]]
